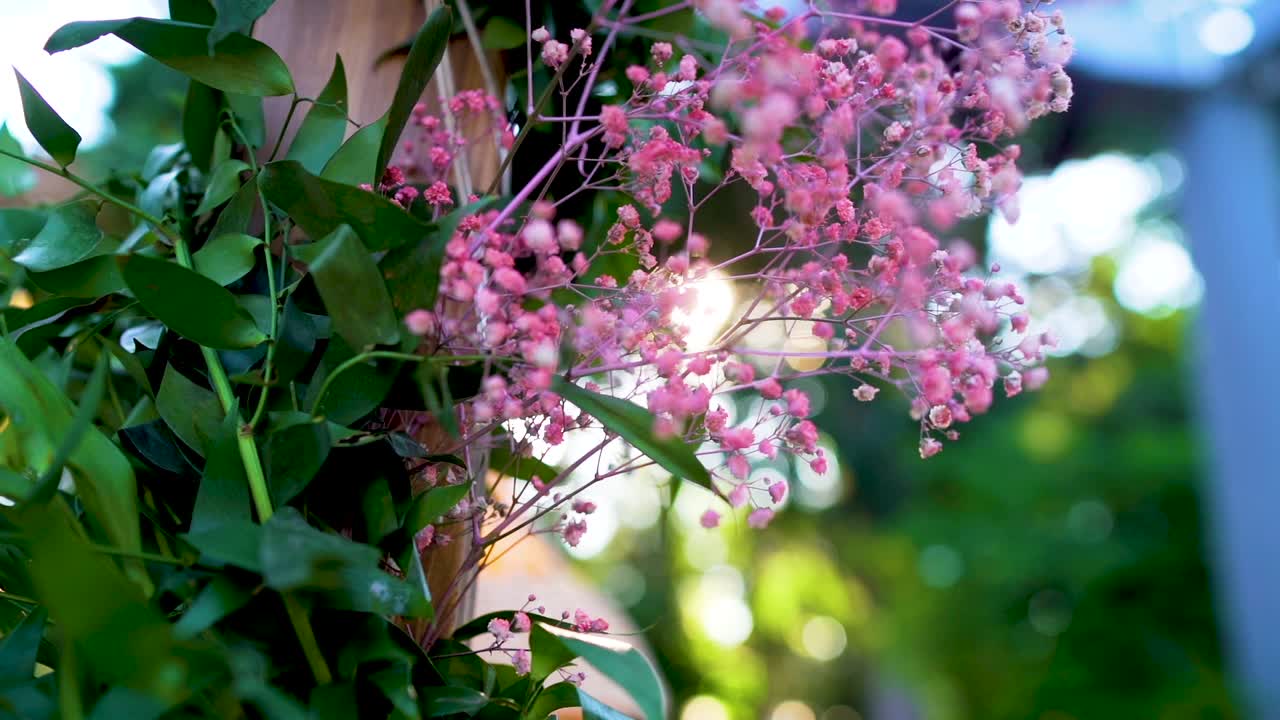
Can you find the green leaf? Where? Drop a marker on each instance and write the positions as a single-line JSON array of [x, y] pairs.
[[322, 130], [293, 454], [226, 258], [355, 392], [236, 216], [122, 702], [16, 177], [53, 133], [218, 599], [19, 647], [70, 235], [501, 33], [353, 163], [192, 412], [236, 543], [320, 206], [235, 16], [433, 504], [344, 574], [452, 700], [614, 659], [396, 683], [92, 278], [43, 420], [237, 64], [635, 425], [200, 120], [224, 182], [549, 654], [250, 118], [425, 54], [353, 291], [189, 303], [379, 511], [223, 495]]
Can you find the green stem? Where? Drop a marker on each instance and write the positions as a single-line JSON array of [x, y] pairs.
[[268, 364], [226, 398], [287, 119], [310, 648]]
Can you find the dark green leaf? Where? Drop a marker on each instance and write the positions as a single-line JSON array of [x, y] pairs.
[[223, 495], [320, 206], [230, 543], [199, 12], [354, 294], [191, 411], [92, 278], [238, 213], [218, 599], [16, 177], [635, 425], [433, 504], [450, 700], [427, 51], [345, 575], [353, 163], [250, 118], [501, 33], [379, 511], [226, 258], [70, 235], [295, 342], [334, 702], [321, 132], [200, 123], [293, 454], [18, 648], [235, 16], [237, 64], [53, 133], [190, 304], [355, 392], [396, 683], [224, 182]]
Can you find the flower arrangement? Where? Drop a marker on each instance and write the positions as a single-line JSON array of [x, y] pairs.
[[269, 410]]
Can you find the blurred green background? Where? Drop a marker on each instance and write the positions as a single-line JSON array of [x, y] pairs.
[[1052, 564]]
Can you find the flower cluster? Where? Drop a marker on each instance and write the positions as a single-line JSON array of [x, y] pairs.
[[859, 140]]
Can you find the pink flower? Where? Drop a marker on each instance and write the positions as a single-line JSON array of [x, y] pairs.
[[710, 519], [574, 531], [777, 491], [421, 322], [500, 629], [760, 518], [770, 389], [522, 662], [521, 623]]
